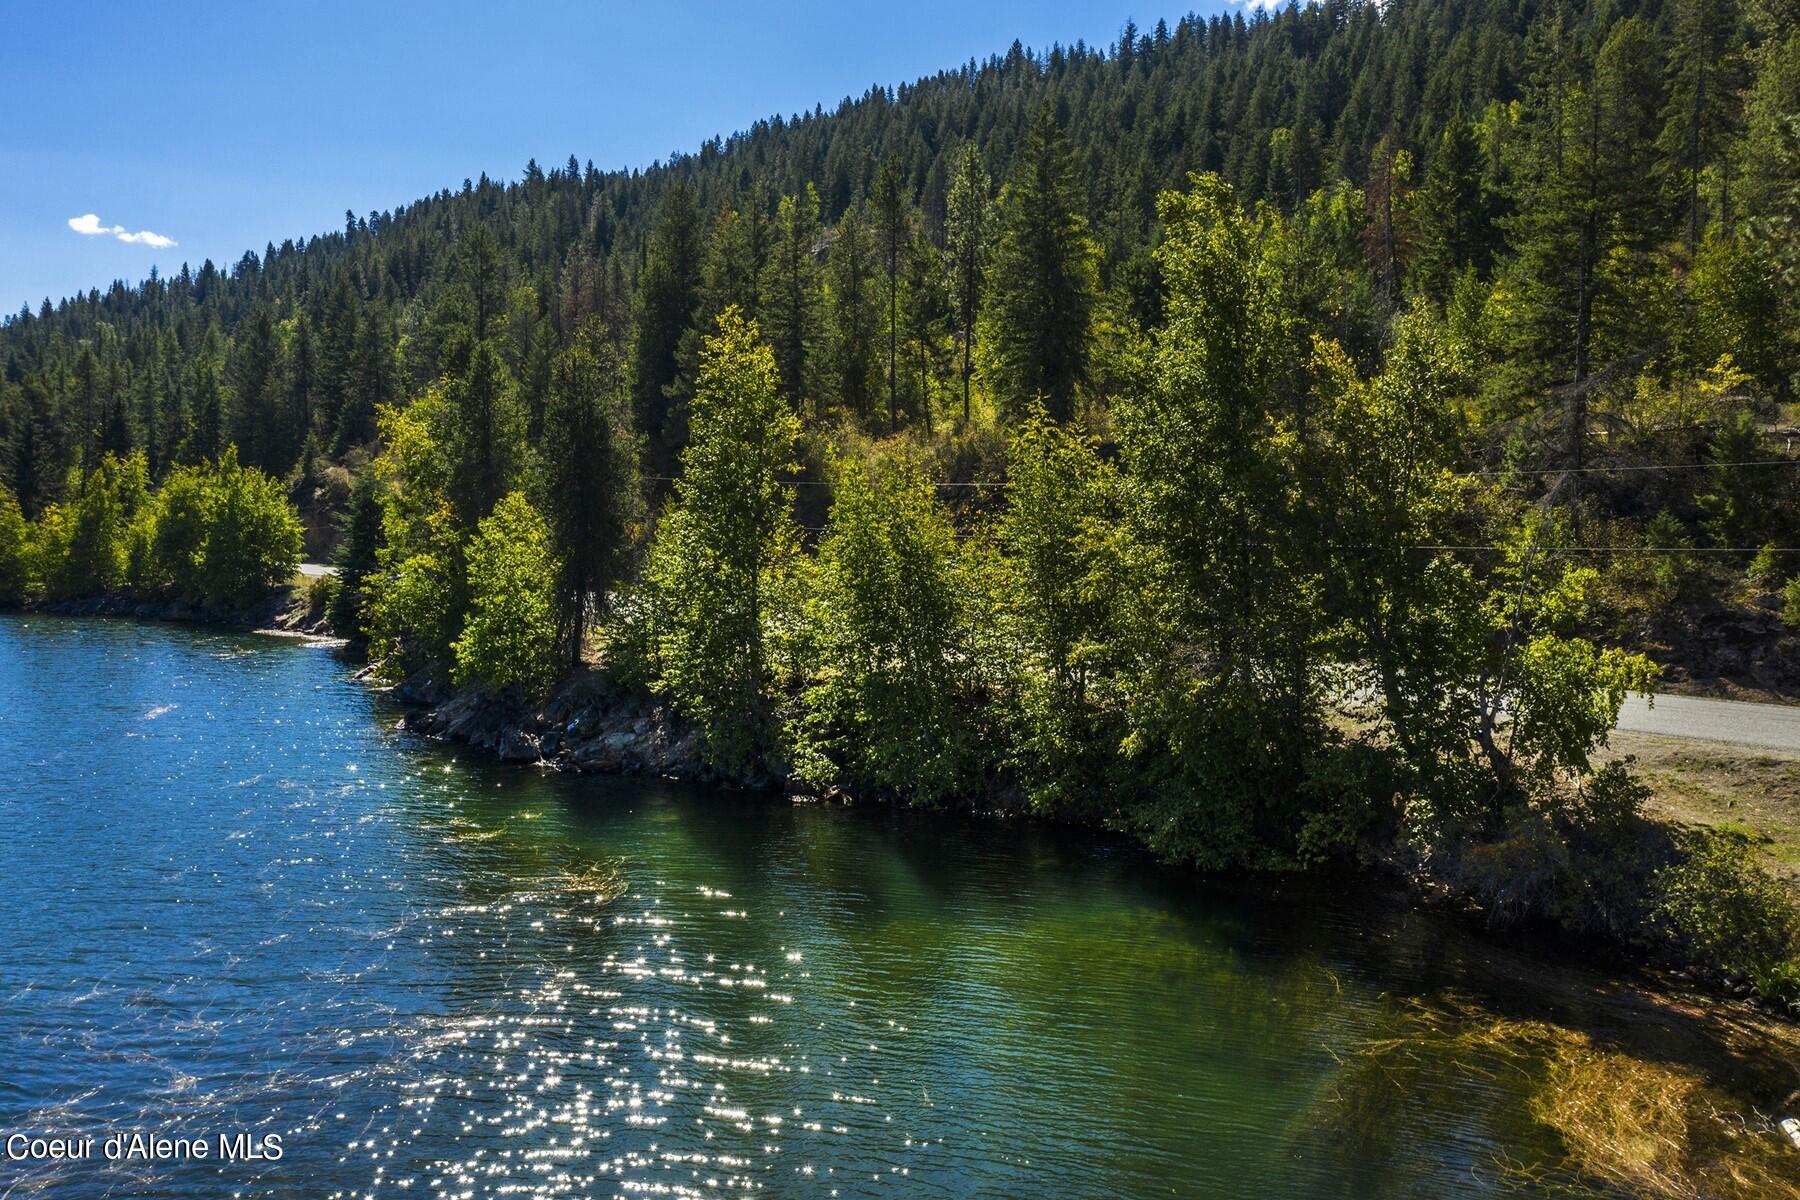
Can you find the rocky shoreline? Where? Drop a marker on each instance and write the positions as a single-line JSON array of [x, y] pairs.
[[282, 610], [590, 724]]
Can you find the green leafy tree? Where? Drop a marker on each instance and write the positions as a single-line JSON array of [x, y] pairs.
[[96, 553], [253, 536], [512, 637], [1541, 696], [1063, 580], [1233, 584], [887, 707], [1390, 474], [16, 582], [411, 606], [723, 541]]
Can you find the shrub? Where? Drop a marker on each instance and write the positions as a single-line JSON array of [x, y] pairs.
[[1672, 565], [221, 535], [1764, 571], [1731, 917]]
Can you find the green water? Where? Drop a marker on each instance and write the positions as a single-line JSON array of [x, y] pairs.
[[237, 900]]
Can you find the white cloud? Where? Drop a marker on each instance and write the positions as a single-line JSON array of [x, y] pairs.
[[89, 223]]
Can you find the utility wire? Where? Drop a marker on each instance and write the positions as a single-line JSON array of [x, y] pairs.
[[1483, 474]]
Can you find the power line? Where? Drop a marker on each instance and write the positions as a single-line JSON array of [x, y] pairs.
[[1001, 484], [1763, 462], [1620, 549]]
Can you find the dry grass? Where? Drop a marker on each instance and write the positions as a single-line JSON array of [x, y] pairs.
[[1744, 790]]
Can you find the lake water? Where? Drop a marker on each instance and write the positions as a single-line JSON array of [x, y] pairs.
[[235, 900]]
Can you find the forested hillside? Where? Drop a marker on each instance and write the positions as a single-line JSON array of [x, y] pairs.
[[1617, 177], [1079, 427]]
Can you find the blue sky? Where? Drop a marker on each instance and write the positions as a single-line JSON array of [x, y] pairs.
[[222, 127]]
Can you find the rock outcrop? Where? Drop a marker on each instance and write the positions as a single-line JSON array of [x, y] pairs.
[[590, 724]]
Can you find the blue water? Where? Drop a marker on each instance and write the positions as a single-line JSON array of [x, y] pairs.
[[236, 900]]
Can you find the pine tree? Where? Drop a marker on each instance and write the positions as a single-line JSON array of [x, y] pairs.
[[302, 382], [207, 440], [850, 275], [590, 481], [1705, 76], [1451, 216], [372, 382], [924, 319], [966, 236], [356, 559], [1042, 282], [147, 403], [1388, 234], [667, 294], [893, 230], [489, 431], [790, 298], [256, 389]]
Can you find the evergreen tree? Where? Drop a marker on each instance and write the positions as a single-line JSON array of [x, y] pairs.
[[356, 559], [850, 281], [966, 236], [667, 294], [489, 435], [1705, 76], [790, 293], [590, 481], [1389, 233], [1451, 214], [893, 231], [207, 439], [256, 389], [1042, 282], [302, 384], [924, 321], [373, 381]]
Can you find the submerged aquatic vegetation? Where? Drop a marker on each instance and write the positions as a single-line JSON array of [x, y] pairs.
[[1658, 1118]]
